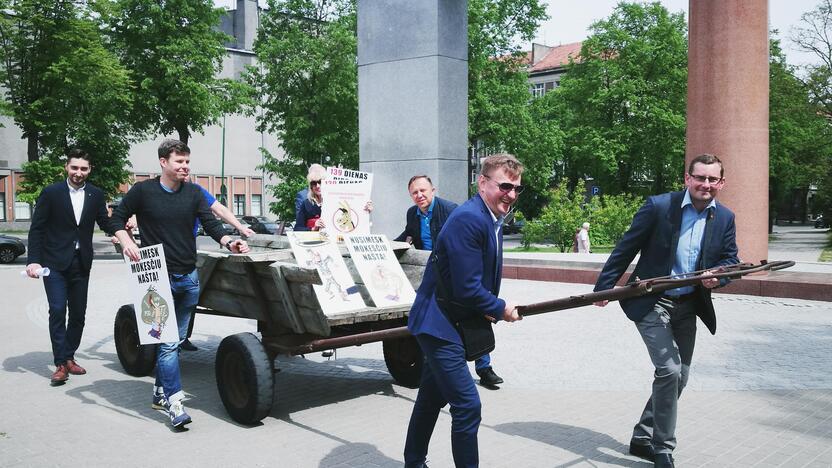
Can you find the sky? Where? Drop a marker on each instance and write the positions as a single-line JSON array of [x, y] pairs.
[[570, 20]]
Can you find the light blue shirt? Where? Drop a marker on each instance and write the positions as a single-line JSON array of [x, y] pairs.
[[690, 241], [424, 225]]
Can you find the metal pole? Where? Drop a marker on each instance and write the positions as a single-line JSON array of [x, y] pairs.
[[223, 188]]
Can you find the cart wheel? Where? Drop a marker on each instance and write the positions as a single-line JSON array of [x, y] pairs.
[[244, 378], [136, 359], [403, 357]]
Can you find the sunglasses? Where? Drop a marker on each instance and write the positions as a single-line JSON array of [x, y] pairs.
[[702, 179], [507, 187], [313, 183]]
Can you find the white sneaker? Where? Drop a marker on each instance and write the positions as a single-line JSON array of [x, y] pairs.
[[178, 416]]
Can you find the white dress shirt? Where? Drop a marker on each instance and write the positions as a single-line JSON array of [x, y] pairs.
[[76, 196]]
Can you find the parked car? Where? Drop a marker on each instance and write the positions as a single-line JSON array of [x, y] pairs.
[[10, 248], [262, 225], [515, 227], [821, 222]]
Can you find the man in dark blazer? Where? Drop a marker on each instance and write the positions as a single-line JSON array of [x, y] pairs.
[[425, 220], [467, 263], [676, 233], [60, 238]]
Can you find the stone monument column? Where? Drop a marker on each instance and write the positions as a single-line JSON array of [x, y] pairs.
[[728, 108], [412, 101]]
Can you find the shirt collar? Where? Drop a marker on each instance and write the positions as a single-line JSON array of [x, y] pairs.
[[75, 190], [686, 201], [430, 209], [497, 221]]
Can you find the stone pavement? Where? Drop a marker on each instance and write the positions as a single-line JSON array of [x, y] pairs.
[[760, 393]]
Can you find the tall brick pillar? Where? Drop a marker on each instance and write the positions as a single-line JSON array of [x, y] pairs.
[[728, 108]]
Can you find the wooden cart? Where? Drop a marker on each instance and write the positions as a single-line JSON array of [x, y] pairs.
[[268, 286]]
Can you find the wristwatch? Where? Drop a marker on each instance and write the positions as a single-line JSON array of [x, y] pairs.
[[228, 245]]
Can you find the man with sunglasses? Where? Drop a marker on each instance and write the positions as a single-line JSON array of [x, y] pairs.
[[676, 233], [466, 266], [424, 221]]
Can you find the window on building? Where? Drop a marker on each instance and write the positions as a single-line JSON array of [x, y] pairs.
[[239, 205], [257, 205], [538, 89], [22, 210], [2, 206]]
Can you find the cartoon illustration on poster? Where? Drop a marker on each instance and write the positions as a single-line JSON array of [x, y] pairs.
[[345, 194], [337, 293], [382, 274], [152, 299]]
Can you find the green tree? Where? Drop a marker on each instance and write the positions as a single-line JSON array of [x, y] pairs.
[[622, 105], [814, 35], [500, 113], [65, 90], [800, 138], [174, 52], [561, 216], [610, 216], [307, 79]]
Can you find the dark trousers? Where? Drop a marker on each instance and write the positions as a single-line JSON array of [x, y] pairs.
[[66, 290], [445, 380]]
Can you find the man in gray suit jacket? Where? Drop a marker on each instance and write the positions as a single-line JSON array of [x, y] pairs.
[[676, 233]]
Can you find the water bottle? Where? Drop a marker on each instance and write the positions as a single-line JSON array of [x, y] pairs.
[[41, 272]]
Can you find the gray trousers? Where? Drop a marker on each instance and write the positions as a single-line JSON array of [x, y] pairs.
[[669, 332]]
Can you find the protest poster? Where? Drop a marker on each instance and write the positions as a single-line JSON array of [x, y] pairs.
[[338, 292], [152, 299], [380, 269], [345, 193]]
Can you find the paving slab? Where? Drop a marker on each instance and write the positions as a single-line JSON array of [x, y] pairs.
[[760, 392]]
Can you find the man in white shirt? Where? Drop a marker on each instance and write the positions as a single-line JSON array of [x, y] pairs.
[[60, 238]]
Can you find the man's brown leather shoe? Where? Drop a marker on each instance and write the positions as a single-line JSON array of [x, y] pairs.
[[60, 375], [74, 368]]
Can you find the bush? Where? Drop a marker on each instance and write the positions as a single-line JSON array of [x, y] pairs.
[[609, 215]]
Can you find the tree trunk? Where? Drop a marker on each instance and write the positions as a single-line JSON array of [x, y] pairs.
[[32, 145], [184, 134]]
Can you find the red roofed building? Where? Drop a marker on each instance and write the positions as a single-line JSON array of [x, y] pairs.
[[547, 65]]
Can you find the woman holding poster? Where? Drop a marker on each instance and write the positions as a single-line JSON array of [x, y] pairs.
[[308, 217]]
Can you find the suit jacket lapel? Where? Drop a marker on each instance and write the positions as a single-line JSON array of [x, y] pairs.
[[706, 238], [492, 241], [674, 216], [66, 200], [87, 203]]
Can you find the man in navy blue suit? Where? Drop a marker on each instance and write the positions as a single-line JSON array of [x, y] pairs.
[[425, 220], [60, 238], [467, 261], [676, 233]]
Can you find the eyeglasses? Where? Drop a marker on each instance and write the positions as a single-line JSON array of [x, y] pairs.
[[507, 187], [702, 179], [313, 183]]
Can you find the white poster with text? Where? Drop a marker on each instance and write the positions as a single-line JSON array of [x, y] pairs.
[[337, 292], [345, 195], [382, 274], [152, 298]]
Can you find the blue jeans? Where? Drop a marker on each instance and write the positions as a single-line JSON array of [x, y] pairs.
[[185, 290], [445, 380], [66, 290], [483, 362]]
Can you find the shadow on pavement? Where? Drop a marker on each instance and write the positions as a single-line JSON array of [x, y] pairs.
[[24, 363], [585, 443], [360, 454]]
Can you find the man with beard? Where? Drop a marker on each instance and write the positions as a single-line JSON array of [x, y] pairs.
[[60, 239]]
